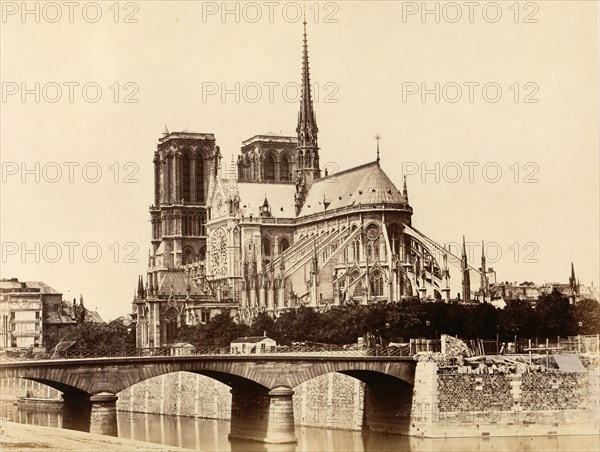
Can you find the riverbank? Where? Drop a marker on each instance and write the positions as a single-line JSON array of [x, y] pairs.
[[24, 437]]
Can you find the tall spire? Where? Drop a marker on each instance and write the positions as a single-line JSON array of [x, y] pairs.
[[573, 280], [307, 149], [307, 125], [483, 284], [466, 279], [405, 190]]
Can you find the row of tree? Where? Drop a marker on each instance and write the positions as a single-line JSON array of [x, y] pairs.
[[552, 316]]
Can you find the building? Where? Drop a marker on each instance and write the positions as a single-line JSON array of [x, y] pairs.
[[278, 233], [530, 291], [32, 311], [252, 345]]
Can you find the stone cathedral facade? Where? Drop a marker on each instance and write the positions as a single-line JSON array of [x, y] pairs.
[[276, 233]]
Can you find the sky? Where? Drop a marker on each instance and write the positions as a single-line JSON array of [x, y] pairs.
[[491, 113]]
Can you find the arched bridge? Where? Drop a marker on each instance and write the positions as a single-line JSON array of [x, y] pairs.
[[262, 385]]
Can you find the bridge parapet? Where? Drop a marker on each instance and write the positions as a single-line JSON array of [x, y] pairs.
[[282, 350]]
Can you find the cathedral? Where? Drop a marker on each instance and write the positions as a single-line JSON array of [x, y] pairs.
[[277, 233]]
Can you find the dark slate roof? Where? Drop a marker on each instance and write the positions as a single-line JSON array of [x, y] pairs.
[[364, 184]]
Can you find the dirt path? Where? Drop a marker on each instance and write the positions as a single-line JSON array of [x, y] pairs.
[[24, 437]]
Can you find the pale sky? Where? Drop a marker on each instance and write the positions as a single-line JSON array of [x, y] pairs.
[[365, 56]]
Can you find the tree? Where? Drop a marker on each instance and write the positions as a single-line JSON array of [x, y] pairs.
[[587, 313], [555, 315], [262, 324], [92, 336], [517, 318]]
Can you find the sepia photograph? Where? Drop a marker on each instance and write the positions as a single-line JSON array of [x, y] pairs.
[[310, 225]]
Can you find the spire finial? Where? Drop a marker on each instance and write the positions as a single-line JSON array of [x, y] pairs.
[[378, 139], [405, 189]]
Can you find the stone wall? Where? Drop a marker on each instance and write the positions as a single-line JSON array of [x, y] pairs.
[[179, 394], [556, 391], [333, 400], [461, 392], [489, 403], [11, 388]]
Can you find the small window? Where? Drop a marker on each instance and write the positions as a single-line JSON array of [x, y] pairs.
[[205, 317]]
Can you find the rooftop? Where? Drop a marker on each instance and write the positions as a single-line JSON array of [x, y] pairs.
[[250, 339], [364, 184], [270, 137], [186, 136]]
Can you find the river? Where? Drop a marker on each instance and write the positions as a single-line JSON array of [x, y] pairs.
[[212, 435]]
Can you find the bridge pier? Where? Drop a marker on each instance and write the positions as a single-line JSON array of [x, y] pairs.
[[76, 411], [103, 417], [263, 416], [387, 407]]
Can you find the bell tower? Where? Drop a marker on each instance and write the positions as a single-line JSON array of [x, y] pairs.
[[183, 164]]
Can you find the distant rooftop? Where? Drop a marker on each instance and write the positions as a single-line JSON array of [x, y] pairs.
[[186, 135], [271, 138], [250, 339], [15, 286]]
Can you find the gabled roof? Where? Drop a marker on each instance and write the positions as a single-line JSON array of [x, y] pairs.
[[176, 282], [364, 184]]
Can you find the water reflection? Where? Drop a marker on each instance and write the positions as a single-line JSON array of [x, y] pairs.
[[212, 435]]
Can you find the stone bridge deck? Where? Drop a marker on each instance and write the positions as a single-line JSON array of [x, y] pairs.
[[94, 375], [262, 385]]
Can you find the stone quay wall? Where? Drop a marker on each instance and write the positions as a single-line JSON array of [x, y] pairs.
[[487, 403], [333, 400], [11, 388]]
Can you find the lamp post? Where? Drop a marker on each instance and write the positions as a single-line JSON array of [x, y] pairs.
[[497, 339]]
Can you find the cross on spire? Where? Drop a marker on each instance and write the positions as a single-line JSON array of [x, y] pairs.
[[378, 139]]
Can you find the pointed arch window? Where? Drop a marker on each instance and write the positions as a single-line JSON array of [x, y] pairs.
[[266, 245], [394, 236], [356, 249], [284, 169], [185, 178], [284, 244], [376, 282], [200, 180], [269, 168]]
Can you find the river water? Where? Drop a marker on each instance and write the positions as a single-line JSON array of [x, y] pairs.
[[212, 435]]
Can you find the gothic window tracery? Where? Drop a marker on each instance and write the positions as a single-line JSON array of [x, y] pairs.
[[185, 177], [269, 168], [219, 252], [266, 248], [284, 169], [376, 281], [199, 180], [284, 244], [188, 255]]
